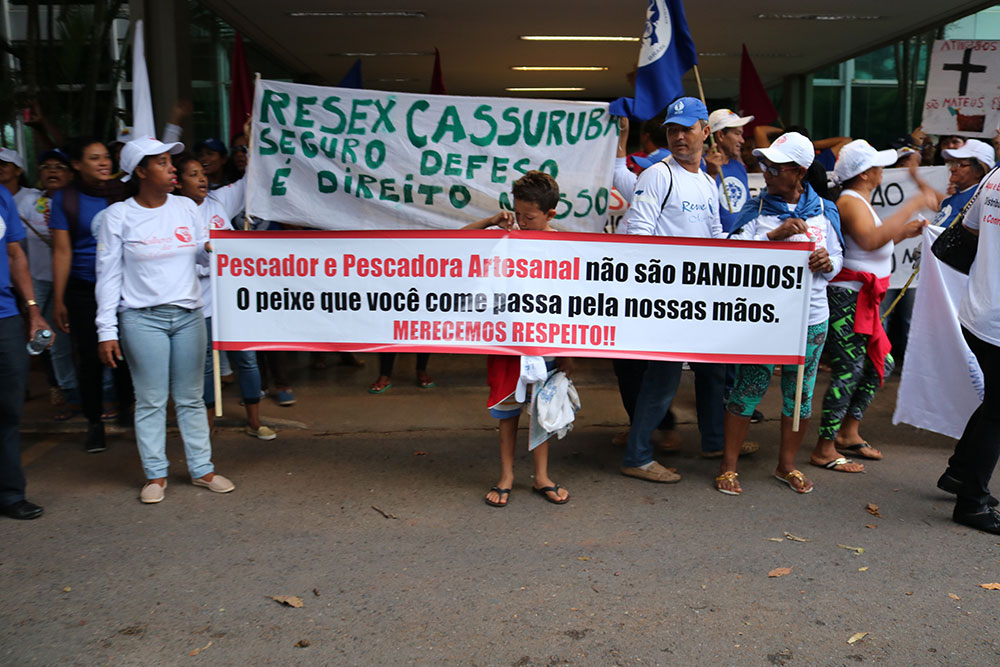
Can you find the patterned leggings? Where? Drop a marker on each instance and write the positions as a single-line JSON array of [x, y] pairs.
[[753, 380], [853, 380]]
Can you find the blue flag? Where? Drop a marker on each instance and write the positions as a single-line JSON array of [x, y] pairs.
[[353, 77], [667, 53]]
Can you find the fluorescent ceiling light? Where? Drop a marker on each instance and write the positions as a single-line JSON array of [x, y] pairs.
[[755, 54], [557, 68], [398, 80], [372, 54], [550, 89], [819, 17], [358, 13], [577, 38]]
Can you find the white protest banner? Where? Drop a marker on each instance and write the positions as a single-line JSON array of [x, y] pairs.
[[538, 293], [896, 187], [382, 160], [942, 383], [963, 88]]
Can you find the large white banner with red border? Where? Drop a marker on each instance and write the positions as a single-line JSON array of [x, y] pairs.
[[537, 293]]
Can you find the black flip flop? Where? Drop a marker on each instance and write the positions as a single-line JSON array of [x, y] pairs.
[[502, 493], [546, 490], [855, 450]]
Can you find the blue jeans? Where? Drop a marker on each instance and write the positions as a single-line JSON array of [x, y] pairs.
[[164, 346], [14, 371], [61, 352], [246, 362], [659, 387]]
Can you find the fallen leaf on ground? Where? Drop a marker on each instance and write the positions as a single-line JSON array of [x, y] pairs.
[[420, 453], [862, 569], [290, 600], [779, 572], [870, 525], [199, 650], [872, 509], [991, 587], [794, 538], [316, 592], [387, 515], [953, 596], [856, 637], [67, 589], [775, 539], [583, 557], [302, 643], [857, 550]]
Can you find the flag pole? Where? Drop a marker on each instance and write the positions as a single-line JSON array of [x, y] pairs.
[[711, 140], [901, 293]]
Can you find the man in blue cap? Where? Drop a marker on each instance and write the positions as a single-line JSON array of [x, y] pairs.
[[675, 197]]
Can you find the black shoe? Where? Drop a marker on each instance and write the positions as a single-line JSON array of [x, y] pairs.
[[953, 485], [22, 509], [988, 521], [757, 417], [95, 438]]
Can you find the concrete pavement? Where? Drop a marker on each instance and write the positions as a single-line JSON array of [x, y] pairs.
[[369, 509]]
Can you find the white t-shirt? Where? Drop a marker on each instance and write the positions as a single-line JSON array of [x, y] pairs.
[[692, 209], [147, 257], [877, 262], [217, 211], [980, 309], [34, 207], [822, 233]]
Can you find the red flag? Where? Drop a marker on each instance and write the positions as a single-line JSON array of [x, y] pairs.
[[437, 80], [753, 97], [240, 89]]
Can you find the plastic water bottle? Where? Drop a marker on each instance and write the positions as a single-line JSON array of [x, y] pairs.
[[40, 342]]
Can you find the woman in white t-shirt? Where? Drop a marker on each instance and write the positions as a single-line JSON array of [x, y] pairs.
[[857, 345], [216, 209], [977, 452], [788, 210], [149, 247]]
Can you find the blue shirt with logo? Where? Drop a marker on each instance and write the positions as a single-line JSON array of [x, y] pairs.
[[738, 187], [12, 231], [952, 206]]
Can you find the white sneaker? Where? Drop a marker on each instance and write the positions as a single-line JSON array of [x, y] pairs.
[[219, 484], [152, 493]]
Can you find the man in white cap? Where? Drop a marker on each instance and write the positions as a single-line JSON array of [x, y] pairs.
[[675, 197], [723, 163]]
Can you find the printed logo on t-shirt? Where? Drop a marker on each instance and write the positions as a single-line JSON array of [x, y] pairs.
[[217, 222], [183, 234], [737, 193], [3, 228], [943, 215]]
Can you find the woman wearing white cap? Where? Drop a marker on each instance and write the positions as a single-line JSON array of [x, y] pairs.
[[968, 165], [857, 344], [148, 296], [788, 210]]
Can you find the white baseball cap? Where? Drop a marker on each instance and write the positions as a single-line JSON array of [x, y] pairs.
[[7, 155], [720, 119], [973, 148], [789, 147], [859, 156], [140, 147]]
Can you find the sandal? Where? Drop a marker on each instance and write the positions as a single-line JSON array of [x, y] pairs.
[[425, 382], [501, 493], [855, 450], [109, 415], [66, 413], [379, 387], [799, 477], [546, 490], [728, 476], [832, 465]]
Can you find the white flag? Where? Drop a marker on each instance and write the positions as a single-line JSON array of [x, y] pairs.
[[142, 99], [942, 384]]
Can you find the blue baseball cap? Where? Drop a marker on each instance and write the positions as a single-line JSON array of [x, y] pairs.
[[686, 111], [211, 144], [651, 159]]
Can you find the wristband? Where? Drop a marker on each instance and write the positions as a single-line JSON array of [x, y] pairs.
[[31, 302]]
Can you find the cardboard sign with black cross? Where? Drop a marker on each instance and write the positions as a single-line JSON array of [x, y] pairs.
[[963, 88]]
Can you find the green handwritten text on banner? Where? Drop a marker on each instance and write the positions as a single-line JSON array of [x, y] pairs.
[[339, 158]]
